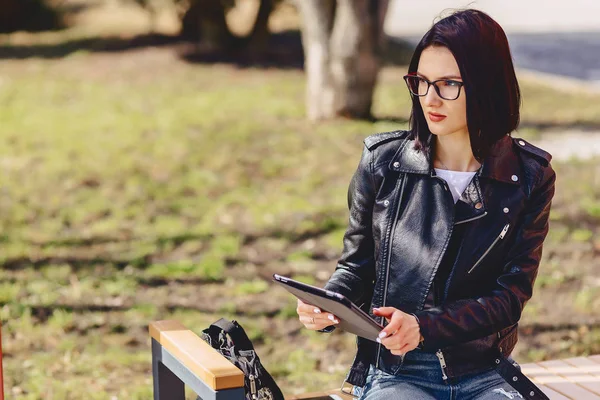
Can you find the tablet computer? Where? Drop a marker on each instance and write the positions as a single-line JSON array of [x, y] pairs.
[[352, 318]]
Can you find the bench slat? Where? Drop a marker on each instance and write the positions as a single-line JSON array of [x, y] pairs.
[[584, 364], [574, 374], [552, 394], [595, 358], [201, 359], [558, 383]]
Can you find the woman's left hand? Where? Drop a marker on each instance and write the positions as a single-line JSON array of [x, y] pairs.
[[402, 334]]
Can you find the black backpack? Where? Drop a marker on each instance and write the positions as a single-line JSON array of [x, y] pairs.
[[230, 339]]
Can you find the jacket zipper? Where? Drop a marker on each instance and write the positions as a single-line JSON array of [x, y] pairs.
[[387, 269], [440, 356], [471, 219], [500, 236], [439, 353]]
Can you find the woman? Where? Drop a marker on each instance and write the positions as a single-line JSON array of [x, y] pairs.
[[447, 222]]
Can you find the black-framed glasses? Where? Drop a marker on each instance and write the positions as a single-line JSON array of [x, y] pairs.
[[447, 89]]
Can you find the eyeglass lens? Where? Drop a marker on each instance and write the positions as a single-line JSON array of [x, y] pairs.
[[447, 89]]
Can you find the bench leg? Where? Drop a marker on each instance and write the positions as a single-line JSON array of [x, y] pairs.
[[167, 386]]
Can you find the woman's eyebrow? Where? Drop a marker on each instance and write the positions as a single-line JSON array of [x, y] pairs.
[[443, 77]]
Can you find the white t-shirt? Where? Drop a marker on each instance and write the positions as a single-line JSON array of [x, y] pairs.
[[457, 180]]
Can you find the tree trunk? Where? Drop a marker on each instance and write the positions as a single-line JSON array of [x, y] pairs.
[[259, 36], [317, 21], [204, 22], [342, 41]]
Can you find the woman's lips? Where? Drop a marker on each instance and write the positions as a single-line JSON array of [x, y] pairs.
[[436, 117]]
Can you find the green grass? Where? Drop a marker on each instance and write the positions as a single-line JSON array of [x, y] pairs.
[[136, 189]]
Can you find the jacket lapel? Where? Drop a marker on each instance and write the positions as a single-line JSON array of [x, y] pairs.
[[501, 165]]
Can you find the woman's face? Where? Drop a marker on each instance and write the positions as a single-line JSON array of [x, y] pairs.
[[437, 62]]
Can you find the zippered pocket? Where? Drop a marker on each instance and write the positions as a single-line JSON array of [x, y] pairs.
[[500, 237], [440, 356]]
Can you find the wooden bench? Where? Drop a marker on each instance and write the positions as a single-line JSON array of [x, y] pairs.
[[180, 357], [570, 378]]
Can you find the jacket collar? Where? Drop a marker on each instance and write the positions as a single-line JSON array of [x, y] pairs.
[[502, 164]]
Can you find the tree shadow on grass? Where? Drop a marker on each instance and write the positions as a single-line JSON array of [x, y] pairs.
[[98, 44], [283, 50]]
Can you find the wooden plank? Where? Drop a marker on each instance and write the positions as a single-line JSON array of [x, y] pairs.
[[595, 358], [532, 371], [552, 395], [574, 374], [560, 384], [584, 364], [201, 359]]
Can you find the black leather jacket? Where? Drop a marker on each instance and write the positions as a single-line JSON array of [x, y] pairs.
[[401, 219]]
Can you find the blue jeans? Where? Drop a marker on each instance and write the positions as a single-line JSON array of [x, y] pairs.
[[419, 377]]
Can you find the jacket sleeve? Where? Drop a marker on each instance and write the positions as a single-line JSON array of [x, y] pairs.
[[354, 274], [469, 319]]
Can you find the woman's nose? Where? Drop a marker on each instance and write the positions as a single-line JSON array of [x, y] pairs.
[[432, 98]]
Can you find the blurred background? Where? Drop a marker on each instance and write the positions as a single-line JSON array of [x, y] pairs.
[[160, 159]]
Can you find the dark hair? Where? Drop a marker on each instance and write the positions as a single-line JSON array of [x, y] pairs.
[[481, 50]]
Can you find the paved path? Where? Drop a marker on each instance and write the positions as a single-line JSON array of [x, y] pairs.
[[570, 143]]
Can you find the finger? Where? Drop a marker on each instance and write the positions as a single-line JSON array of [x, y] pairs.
[[318, 319], [407, 332], [403, 333], [315, 324], [384, 311], [404, 349], [307, 308], [395, 323], [405, 336], [395, 341], [407, 347]]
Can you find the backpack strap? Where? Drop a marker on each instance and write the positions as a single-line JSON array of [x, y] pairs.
[[236, 332], [517, 379]]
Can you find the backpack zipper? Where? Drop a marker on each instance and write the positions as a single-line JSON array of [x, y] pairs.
[[500, 236], [440, 356], [253, 387]]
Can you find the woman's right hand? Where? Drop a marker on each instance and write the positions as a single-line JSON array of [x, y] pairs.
[[312, 317]]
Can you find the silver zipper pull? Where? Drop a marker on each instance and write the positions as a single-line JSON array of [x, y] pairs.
[[253, 387], [440, 356], [503, 233]]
